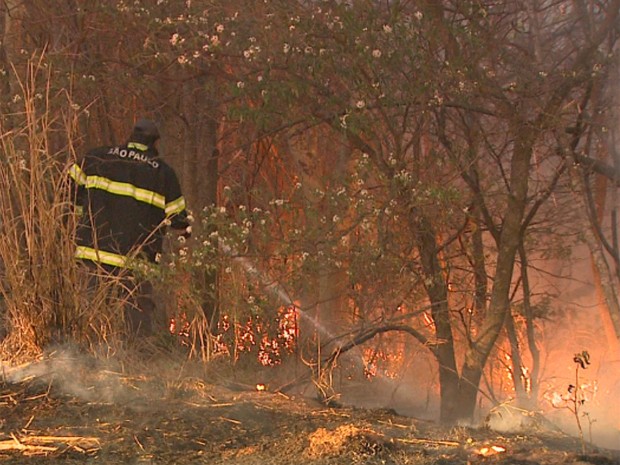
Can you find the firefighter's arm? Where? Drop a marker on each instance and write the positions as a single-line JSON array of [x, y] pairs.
[[176, 208]]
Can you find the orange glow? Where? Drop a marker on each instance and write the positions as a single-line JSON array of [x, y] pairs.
[[261, 387], [493, 450], [378, 360]]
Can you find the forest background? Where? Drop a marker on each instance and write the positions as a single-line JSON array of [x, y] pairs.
[[430, 186]]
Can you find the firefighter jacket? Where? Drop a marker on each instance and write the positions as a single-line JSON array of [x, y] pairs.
[[125, 197]]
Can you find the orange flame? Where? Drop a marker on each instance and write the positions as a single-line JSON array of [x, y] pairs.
[[493, 450]]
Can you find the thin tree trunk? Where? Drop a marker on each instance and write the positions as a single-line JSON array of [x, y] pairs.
[[605, 282], [437, 291], [510, 237], [530, 331], [516, 362]]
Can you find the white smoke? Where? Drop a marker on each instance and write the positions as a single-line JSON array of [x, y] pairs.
[[69, 372]]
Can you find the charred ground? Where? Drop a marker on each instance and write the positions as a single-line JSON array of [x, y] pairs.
[[160, 413]]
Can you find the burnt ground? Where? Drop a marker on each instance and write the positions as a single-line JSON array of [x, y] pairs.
[[76, 412]]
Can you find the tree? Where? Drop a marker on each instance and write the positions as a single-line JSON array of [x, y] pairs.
[[425, 91]]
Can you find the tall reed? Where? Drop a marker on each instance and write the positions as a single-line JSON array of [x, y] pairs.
[[43, 292]]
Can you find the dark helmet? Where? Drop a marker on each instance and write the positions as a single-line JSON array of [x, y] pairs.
[[145, 131]]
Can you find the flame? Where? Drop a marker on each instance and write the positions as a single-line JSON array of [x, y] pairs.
[[261, 387], [493, 450], [380, 361]]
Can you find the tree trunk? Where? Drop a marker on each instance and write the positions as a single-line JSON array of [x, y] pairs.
[[605, 283], [499, 306], [517, 362], [530, 330], [200, 177], [437, 291]]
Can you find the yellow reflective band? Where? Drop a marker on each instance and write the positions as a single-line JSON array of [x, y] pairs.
[[136, 145], [77, 175], [128, 190], [176, 206], [100, 256]]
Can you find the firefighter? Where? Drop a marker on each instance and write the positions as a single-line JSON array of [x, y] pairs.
[[126, 197]]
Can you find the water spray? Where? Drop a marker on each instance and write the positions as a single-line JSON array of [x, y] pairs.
[[275, 289]]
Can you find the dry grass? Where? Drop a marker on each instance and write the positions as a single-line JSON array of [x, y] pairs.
[[44, 295]]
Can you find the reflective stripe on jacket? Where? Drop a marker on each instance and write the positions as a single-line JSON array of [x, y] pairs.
[[127, 194]]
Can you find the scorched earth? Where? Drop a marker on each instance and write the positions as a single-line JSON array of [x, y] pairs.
[[66, 409]]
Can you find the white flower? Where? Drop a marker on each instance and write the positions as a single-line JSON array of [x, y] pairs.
[[219, 28], [387, 28], [360, 104], [418, 15], [376, 53], [286, 48], [240, 84]]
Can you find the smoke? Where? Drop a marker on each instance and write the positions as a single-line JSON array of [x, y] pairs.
[[69, 372]]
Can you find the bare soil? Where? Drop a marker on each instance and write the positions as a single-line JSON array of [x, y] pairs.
[[71, 411]]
